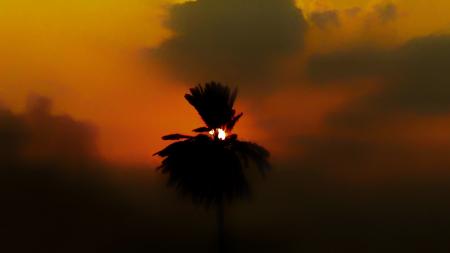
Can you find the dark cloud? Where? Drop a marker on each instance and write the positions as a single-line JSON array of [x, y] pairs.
[[325, 19], [43, 161], [57, 136], [230, 40], [386, 12], [392, 183], [39, 136], [349, 63], [415, 74], [58, 195]]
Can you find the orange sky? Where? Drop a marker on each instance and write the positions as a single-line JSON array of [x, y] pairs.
[[85, 56]]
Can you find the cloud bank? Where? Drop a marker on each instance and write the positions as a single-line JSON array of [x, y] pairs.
[[414, 74], [230, 40]]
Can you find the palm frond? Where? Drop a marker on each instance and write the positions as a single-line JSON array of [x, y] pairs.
[[214, 102], [206, 168], [252, 152], [202, 130], [233, 121], [175, 137]]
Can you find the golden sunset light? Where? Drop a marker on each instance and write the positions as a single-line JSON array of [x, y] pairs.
[[351, 98]]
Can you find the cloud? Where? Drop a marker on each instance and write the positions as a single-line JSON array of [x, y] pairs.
[[415, 74], [230, 39], [58, 195], [39, 136], [44, 162], [325, 19], [392, 143], [386, 11]]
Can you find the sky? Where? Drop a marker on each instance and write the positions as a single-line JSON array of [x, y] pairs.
[[118, 64], [351, 97]]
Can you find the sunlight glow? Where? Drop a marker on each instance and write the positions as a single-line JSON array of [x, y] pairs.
[[221, 134]]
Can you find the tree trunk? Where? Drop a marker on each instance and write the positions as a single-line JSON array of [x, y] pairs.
[[221, 227]]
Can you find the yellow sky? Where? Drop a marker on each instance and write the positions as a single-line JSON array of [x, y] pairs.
[[83, 54]]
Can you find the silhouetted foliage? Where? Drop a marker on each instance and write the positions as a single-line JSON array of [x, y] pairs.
[[214, 102], [204, 166]]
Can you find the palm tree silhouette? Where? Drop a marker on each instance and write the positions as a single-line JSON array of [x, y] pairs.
[[210, 165]]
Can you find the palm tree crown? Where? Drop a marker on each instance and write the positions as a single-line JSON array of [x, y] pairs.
[[209, 167]]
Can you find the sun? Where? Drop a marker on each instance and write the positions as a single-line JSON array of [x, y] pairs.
[[221, 134]]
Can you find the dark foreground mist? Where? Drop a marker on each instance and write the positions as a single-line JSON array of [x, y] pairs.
[[57, 197], [47, 210]]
